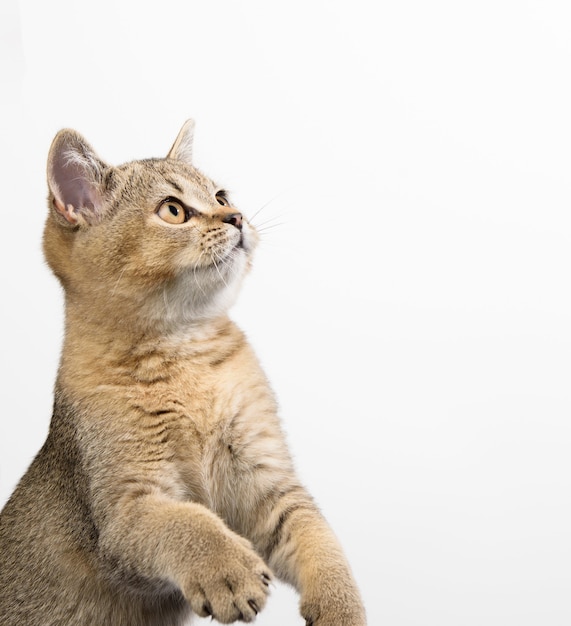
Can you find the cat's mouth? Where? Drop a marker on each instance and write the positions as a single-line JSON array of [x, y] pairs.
[[239, 245], [230, 256], [226, 259]]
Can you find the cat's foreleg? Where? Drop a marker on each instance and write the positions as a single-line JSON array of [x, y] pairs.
[[302, 550], [187, 545]]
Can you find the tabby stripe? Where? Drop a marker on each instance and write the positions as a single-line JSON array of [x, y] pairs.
[[157, 434], [153, 381], [277, 533], [237, 347], [277, 496], [175, 185]]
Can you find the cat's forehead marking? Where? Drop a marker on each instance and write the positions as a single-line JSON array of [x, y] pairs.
[[185, 178], [196, 190], [160, 178], [175, 185]]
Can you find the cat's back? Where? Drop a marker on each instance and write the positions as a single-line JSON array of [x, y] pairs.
[[46, 538]]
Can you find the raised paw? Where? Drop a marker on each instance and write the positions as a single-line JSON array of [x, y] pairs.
[[231, 599], [232, 588]]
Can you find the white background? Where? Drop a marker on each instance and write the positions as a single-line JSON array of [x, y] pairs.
[[411, 302]]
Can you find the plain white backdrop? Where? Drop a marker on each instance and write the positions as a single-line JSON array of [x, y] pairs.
[[411, 298]]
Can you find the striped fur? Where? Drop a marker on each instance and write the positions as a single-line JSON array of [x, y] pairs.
[[165, 486]]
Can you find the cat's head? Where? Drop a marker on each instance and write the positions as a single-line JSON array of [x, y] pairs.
[[154, 239]]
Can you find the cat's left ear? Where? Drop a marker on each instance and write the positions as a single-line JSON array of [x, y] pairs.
[[76, 178], [182, 147]]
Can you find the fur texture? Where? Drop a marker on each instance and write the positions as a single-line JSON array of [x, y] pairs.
[[165, 486]]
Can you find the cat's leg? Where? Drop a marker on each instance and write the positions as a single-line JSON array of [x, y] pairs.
[[301, 549], [187, 545]]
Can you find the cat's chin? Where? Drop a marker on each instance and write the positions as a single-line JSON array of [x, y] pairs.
[[199, 294]]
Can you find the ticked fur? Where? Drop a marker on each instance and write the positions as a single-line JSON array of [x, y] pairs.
[[165, 487]]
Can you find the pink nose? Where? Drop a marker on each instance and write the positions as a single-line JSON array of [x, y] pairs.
[[235, 219]]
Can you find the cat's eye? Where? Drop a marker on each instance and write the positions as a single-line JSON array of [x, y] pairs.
[[222, 199], [172, 212]]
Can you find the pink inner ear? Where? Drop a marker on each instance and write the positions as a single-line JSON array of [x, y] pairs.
[[74, 175], [75, 185], [68, 212]]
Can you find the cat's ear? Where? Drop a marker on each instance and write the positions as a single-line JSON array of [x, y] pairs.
[[182, 147], [75, 178]]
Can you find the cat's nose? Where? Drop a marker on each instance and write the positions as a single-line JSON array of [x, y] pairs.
[[235, 219]]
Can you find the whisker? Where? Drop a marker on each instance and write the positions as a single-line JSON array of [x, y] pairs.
[[220, 258], [269, 202], [118, 280], [269, 220], [269, 227], [264, 206], [196, 280], [281, 215]]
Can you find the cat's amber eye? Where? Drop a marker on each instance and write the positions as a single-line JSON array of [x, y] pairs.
[[222, 199], [172, 212]]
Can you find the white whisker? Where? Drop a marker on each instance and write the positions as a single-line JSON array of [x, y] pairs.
[[281, 215], [268, 203], [264, 229], [264, 206], [118, 280], [196, 280], [220, 258]]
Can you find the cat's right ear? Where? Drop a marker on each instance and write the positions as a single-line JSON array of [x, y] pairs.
[[182, 147], [75, 178]]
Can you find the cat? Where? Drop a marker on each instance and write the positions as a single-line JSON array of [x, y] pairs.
[[165, 487]]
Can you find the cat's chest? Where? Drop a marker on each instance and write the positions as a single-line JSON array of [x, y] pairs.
[[194, 413], [216, 428]]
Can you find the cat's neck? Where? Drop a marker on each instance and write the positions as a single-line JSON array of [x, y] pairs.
[[109, 348], [125, 330]]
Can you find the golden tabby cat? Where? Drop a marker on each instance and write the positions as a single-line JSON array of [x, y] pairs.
[[164, 487]]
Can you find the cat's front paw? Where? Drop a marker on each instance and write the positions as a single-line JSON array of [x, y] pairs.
[[233, 586]]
